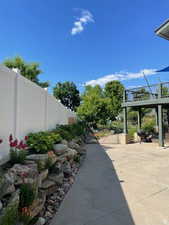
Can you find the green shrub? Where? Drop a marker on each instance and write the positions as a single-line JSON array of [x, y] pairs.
[[149, 125], [64, 134], [25, 219], [42, 142], [40, 165], [117, 126], [71, 131], [131, 131], [102, 133], [10, 216], [27, 195], [17, 156], [48, 163]]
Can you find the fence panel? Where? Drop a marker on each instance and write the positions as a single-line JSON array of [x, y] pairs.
[[7, 108], [26, 107], [30, 107]]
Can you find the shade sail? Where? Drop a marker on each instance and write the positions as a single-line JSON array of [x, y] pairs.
[[163, 70]]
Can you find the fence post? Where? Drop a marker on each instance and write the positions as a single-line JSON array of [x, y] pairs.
[[46, 110], [160, 91], [16, 96]]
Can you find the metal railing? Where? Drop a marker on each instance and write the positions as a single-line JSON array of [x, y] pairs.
[[155, 91]]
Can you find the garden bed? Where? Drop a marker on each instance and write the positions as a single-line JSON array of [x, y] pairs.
[[36, 179]]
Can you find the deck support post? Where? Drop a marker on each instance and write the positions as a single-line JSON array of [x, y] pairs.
[[125, 129], [139, 119], [156, 118], [168, 118], [125, 120], [160, 125]]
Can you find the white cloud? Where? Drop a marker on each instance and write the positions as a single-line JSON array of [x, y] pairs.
[[86, 17], [121, 76]]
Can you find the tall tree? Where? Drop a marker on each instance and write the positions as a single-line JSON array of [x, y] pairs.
[[93, 108], [68, 94], [29, 70], [114, 92]]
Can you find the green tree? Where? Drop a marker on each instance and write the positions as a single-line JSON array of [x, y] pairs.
[[68, 94], [114, 92], [93, 108], [29, 70]]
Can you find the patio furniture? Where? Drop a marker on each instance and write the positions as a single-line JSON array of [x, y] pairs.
[[145, 136]]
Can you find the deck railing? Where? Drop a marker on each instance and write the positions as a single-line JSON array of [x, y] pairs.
[[155, 91]]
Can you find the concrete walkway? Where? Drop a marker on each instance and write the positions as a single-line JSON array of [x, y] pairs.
[[119, 185]]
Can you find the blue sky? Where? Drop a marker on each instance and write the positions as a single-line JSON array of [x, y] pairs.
[[80, 41]]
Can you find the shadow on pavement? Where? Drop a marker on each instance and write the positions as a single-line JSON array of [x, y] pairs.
[[96, 197]]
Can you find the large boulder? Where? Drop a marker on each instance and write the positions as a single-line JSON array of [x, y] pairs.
[[42, 176], [77, 147], [7, 184], [41, 221], [57, 168], [47, 184], [60, 149], [71, 153], [14, 199], [64, 142], [37, 157], [1, 206], [57, 178], [24, 173], [10, 209], [52, 157], [37, 204], [67, 170], [74, 145], [68, 155]]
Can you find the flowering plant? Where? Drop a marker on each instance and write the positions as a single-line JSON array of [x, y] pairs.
[[17, 150]]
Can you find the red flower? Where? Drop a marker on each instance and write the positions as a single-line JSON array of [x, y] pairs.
[[10, 138], [24, 146], [14, 143], [20, 146], [1, 141], [26, 138], [11, 144]]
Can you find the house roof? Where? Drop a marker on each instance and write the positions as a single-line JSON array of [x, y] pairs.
[[163, 30]]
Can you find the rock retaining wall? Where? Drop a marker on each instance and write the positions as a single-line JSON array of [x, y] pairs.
[[50, 174]]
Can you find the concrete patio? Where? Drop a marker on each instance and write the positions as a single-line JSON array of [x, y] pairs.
[[119, 185]]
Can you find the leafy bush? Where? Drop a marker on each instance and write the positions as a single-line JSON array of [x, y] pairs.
[[66, 135], [10, 216], [149, 125], [27, 195], [131, 131], [40, 166], [117, 126], [102, 133], [48, 163], [17, 156], [71, 131], [25, 219], [42, 142]]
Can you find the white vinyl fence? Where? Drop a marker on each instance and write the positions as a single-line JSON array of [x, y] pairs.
[[25, 107]]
